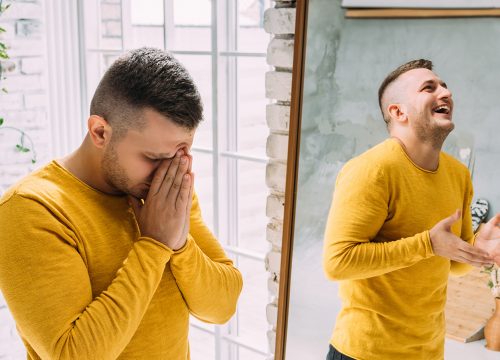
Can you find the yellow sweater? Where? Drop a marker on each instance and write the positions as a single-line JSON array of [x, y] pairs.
[[392, 286], [82, 283]]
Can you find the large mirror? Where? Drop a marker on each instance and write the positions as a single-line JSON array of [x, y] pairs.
[[339, 64]]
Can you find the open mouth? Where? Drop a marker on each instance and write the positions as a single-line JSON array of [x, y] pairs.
[[442, 109]]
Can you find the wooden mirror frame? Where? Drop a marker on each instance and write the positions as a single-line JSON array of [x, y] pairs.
[[299, 54]]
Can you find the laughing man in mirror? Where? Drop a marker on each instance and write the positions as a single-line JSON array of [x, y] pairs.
[[104, 253], [399, 222]]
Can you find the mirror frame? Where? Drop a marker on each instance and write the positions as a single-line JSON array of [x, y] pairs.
[[299, 54]]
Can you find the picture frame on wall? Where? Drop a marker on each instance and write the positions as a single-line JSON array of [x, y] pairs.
[[422, 4]]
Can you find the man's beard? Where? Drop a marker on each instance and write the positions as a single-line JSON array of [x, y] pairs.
[[113, 173], [432, 134]]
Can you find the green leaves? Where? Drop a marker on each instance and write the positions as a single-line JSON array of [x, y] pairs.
[[1, 121], [22, 148]]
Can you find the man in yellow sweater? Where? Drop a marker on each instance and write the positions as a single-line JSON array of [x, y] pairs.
[[104, 254], [399, 222]]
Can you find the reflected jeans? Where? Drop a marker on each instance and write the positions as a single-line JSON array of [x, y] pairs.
[[334, 354]]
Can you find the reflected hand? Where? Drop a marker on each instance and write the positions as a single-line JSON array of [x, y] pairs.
[[448, 245], [488, 238]]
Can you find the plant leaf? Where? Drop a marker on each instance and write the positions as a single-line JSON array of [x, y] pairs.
[[1, 121]]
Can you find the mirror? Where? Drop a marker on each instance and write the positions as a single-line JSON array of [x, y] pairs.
[[339, 63]]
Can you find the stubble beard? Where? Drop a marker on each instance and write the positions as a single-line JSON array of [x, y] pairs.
[[428, 132], [113, 173]]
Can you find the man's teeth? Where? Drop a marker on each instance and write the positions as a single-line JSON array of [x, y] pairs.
[[442, 109]]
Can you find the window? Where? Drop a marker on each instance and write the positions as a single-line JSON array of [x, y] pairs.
[[223, 45]]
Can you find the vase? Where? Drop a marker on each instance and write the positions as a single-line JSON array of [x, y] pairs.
[[492, 329]]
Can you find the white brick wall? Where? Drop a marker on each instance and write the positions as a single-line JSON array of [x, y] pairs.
[[280, 22], [24, 107]]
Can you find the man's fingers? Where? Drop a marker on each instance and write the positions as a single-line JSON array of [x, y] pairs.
[[168, 180], [185, 189], [473, 254], [178, 179], [495, 220], [466, 247], [190, 198], [473, 262], [159, 176]]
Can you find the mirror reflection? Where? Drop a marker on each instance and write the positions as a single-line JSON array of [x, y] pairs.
[[388, 296]]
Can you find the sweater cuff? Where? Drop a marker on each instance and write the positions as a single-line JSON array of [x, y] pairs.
[[426, 235], [187, 248], [161, 249]]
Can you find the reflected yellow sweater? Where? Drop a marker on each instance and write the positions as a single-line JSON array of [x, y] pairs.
[[392, 286], [82, 283]]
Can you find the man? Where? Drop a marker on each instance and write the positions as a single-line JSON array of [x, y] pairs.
[[104, 254], [390, 238]]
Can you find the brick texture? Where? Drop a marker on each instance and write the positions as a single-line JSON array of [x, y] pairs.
[[280, 23]]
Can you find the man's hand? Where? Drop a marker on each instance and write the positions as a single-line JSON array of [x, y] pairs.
[[190, 197], [166, 209], [448, 245], [488, 238]]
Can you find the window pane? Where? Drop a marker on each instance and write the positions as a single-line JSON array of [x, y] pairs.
[[192, 12], [252, 127], [191, 26], [201, 344], [146, 12], [252, 323], [202, 168], [251, 34], [252, 195], [144, 35], [200, 68], [245, 354], [200, 324]]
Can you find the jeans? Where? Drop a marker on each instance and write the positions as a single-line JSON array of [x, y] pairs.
[[334, 354]]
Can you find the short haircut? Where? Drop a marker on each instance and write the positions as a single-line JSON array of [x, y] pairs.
[[410, 65], [146, 78]]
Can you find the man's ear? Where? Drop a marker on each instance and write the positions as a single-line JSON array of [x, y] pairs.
[[398, 113], [99, 130]]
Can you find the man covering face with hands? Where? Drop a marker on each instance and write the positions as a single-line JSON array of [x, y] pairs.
[[104, 253]]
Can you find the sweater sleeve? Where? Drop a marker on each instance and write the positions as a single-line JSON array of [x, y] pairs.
[[458, 268], [204, 274], [357, 213], [47, 287]]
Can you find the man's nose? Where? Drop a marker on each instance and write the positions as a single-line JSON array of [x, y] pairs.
[[445, 93]]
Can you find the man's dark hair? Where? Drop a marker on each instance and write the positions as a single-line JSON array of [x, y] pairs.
[[146, 78], [410, 65]]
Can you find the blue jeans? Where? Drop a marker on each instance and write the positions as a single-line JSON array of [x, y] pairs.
[[334, 354]]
